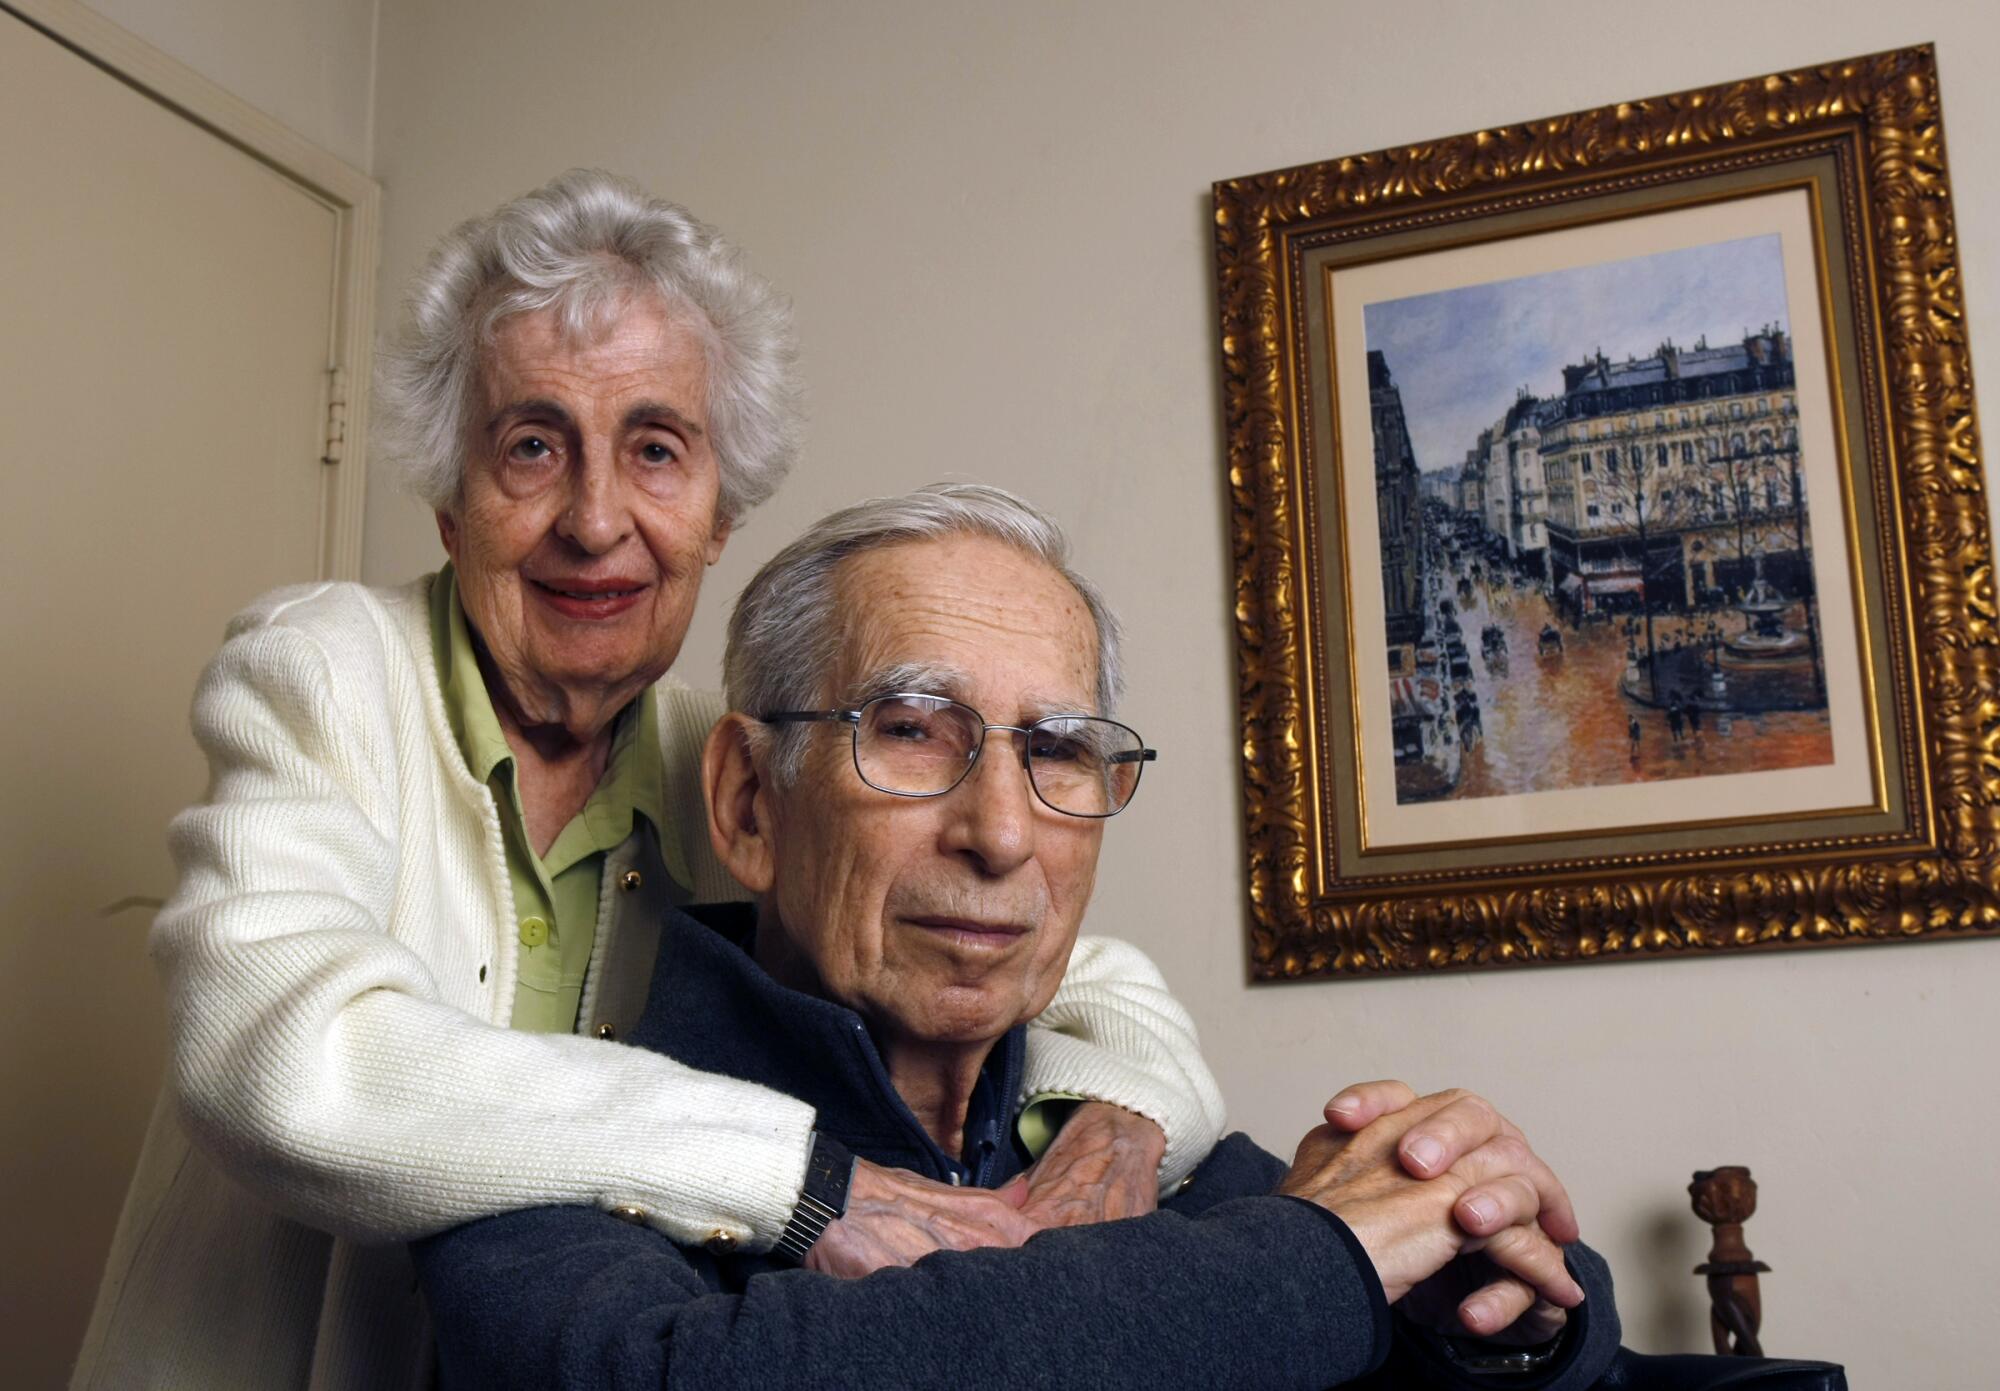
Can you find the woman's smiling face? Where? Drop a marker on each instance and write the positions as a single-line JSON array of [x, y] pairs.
[[588, 509]]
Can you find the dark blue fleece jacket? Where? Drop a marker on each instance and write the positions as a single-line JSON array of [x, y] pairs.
[[1225, 1286]]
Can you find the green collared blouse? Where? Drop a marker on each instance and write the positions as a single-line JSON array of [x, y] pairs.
[[555, 895]]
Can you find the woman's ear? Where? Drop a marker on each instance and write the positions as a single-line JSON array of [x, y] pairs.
[[712, 550], [448, 533], [738, 809]]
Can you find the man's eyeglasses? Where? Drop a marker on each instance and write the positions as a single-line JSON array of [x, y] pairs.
[[923, 746]]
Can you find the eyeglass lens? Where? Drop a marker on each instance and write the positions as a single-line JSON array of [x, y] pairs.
[[923, 745]]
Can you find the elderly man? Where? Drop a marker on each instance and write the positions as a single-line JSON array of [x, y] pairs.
[[912, 786]]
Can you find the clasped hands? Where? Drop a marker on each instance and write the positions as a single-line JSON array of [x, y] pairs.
[[1463, 1221]]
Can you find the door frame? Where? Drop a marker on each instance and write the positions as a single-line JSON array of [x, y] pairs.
[[353, 198]]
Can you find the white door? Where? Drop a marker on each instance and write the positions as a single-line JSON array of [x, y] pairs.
[[166, 304]]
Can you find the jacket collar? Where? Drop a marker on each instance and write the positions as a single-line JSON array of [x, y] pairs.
[[713, 1008]]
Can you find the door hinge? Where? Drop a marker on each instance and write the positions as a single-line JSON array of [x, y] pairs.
[[336, 416]]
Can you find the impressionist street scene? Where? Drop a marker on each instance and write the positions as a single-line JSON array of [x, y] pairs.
[[1596, 561]]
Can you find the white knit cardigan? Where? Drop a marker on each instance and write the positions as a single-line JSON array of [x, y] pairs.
[[340, 961]]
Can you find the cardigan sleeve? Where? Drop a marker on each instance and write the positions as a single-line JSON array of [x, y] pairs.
[[1114, 1032], [316, 1056]]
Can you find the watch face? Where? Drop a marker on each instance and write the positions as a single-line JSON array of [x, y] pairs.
[[824, 1171], [828, 1173]]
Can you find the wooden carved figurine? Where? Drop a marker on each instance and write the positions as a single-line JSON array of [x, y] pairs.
[[1725, 1198]]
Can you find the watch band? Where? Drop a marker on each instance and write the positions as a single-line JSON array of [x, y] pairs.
[[823, 1200], [1492, 1359]]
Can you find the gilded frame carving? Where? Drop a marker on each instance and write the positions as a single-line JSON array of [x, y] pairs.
[[1929, 866]]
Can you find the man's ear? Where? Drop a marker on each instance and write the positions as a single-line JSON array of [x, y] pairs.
[[739, 804]]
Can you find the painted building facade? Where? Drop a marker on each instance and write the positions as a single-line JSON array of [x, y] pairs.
[[1675, 475], [1399, 515]]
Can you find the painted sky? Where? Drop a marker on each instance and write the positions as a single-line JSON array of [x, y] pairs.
[[1459, 356]]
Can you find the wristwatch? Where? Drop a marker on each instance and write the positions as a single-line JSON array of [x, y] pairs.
[[1492, 1359], [829, 1170]]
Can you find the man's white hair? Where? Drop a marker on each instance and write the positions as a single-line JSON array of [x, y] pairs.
[[785, 631], [582, 244]]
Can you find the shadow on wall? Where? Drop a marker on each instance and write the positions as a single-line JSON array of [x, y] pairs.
[[1672, 1242]]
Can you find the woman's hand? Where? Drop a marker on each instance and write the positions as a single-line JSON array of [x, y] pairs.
[[895, 1217], [1104, 1164]]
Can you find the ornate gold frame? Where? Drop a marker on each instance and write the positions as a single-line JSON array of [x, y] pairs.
[[1936, 872]]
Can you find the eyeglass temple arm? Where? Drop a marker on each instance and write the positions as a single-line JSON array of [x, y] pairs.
[[1135, 756], [810, 716]]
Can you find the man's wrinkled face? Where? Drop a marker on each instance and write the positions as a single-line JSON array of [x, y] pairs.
[[943, 919], [588, 508]]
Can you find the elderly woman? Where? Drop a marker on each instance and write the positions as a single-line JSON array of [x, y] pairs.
[[439, 817]]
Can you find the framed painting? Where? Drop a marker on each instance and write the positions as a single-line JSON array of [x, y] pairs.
[[1611, 548]]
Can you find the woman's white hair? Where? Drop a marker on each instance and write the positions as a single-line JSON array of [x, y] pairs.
[[785, 631], [582, 244]]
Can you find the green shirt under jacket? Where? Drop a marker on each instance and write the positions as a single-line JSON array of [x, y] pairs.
[[556, 894]]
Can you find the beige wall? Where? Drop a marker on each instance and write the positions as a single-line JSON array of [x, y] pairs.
[[309, 63], [994, 219]]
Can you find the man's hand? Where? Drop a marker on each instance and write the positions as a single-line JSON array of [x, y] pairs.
[[1446, 1303], [1103, 1164], [1444, 1134], [1474, 1292], [897, 1218], [1409, 1225]]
